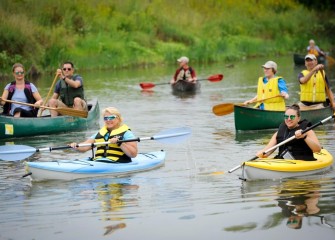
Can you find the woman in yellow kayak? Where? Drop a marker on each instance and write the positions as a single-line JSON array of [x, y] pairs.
[[269, 87], [301, 148], [111, 132]]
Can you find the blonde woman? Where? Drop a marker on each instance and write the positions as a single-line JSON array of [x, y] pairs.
[[113, 130]]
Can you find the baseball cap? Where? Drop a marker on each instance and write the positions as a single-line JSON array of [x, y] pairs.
[[310, 56], [183, 59], [270, 64]]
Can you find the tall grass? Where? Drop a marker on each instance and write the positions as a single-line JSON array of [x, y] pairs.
[[124, 33]]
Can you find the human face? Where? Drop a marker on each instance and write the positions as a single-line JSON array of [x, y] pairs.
[[310, 63], [291, 118], [111, 121], [268, 72], [18, 73], [67, 70]]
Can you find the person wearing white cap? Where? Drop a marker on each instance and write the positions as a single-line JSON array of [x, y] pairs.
[[269, 87], [314, 49], [313, 85], [184, 72]]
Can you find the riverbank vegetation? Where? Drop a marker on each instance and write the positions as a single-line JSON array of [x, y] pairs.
[[105, 34]]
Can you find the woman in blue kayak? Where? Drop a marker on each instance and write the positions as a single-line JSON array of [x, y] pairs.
[[113, 130], [302, 147]]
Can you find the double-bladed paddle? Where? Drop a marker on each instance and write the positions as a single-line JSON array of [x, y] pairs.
[[227, 108], [213, 78], [62, 110], [20, 152], [284, 142]]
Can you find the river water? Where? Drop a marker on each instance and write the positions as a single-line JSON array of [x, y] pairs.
[[192, 196]]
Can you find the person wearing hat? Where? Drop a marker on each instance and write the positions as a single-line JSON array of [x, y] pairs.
[[269, 87], [313, 83], [184, 72], [314, 49]]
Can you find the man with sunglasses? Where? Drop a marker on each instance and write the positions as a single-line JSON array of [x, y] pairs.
[[69, 89], [301, 148], [313, 85]]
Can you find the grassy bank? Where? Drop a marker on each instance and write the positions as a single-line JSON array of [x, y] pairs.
[[115, 34]]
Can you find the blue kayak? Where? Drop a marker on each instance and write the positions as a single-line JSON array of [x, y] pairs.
[[83, 168]]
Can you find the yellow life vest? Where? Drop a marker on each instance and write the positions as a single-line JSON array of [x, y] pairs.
[[267, 90], [313, 51], [314, 89], [111, 151]]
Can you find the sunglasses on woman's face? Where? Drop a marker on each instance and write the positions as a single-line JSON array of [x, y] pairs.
[[292, 117], [19, 73], [110, 118]]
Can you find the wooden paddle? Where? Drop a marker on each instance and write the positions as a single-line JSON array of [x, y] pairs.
[[284, 142], [227, 108], [20, 152], [330, 60], [46, 99], [63, 111], [213, 78], [329, 94]]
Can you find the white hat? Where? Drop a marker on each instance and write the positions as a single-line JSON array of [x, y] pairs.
[[270, 64], [310, 56], [183, 59]]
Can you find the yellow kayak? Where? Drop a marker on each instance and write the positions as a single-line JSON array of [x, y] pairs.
[[269, 168]]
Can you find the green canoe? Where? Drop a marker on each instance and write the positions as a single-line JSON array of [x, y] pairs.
[[11, 127], [247, 118]]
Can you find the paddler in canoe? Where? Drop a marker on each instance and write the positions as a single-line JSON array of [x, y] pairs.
[[312, 48], [23, 91], [270, 87], [113, 130], [314, 85], [302, 147]]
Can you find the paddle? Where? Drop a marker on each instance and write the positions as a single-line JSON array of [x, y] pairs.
[[46, 99], [20, 152], [63, 111], [227, 108], [330, 96], [286, 141], [213, 78]]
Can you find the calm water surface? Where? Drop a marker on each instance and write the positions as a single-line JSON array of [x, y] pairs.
[[193, 196]]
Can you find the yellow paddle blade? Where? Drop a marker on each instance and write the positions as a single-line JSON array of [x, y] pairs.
[[223, 109], [71, 112]]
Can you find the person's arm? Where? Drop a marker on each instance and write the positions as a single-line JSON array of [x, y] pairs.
[[83, 149], [4, 96], [129, 148], [250, 101], [74, 83], [36, 95], [283, 88], [310, 139], [193, 75], [272, 142], [174, 79], [305, 79]]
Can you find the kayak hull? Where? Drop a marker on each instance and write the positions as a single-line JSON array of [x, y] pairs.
[[247, 118], [268, 168], [185, 86], [84, 168]]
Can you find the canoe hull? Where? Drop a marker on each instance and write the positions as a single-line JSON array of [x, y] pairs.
[[247, 118], [285, 168], [184, 86], [11, 127], [299, 59], [84, 168]]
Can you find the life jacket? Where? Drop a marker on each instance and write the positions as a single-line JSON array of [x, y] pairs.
[[313, 51], [184, 74], [297, 147], [67, 93], [270, 89], [27, 91], [112, 152], [314, 89]]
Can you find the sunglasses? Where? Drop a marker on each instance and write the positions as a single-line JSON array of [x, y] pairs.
[[292, 117], [19, 73], [67, 69], [110, 118]]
